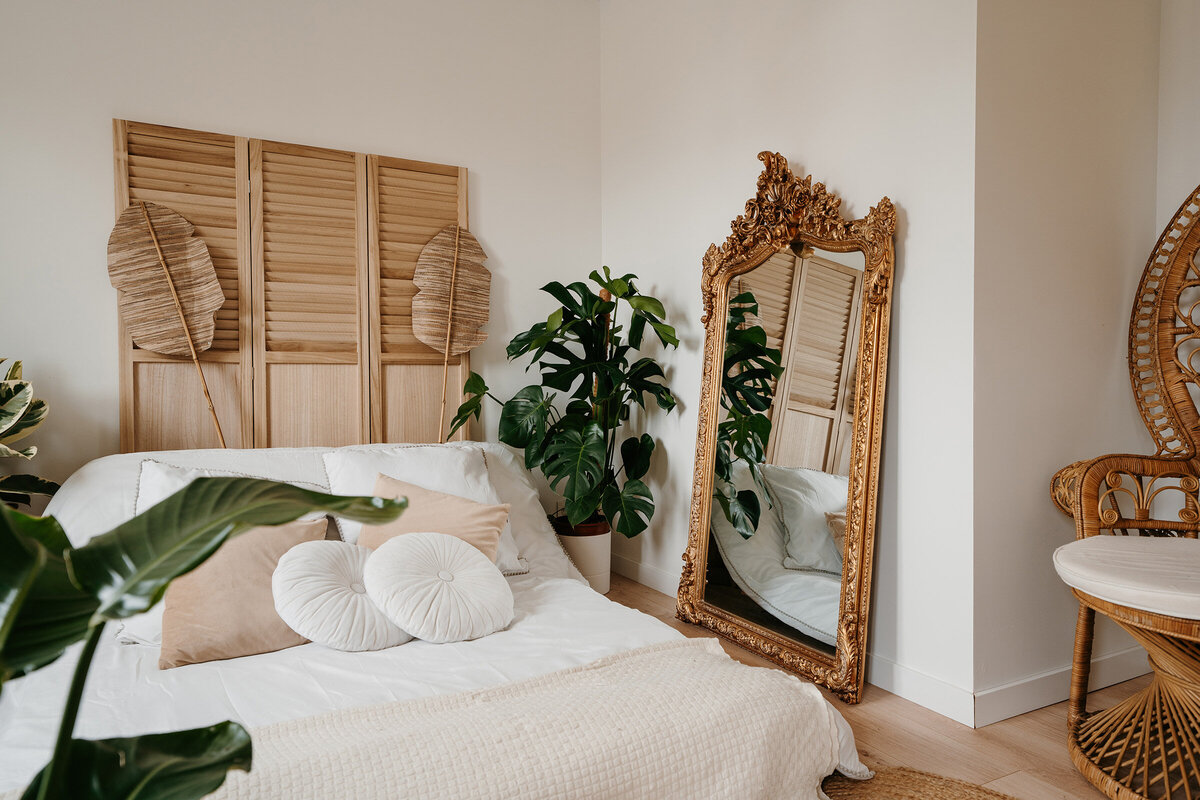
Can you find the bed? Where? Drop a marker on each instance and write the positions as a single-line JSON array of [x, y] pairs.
[[560, 625]]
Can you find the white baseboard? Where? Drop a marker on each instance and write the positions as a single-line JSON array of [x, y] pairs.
[[1054, 686], [658, 579], [925, 690]]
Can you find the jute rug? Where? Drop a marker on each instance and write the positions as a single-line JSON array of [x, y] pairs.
[[899, 783]]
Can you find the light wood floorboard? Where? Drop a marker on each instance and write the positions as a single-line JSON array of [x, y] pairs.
[[1025, 757]]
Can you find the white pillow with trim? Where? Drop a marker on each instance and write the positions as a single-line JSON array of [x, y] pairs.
[[319, 592], [803, 497], [439, 468], [438, 588]]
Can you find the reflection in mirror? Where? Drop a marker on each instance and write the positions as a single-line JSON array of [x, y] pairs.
[[780, 488]]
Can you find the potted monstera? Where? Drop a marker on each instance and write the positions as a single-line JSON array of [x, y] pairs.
[[571, 423]]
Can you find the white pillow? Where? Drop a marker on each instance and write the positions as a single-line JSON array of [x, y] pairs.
[[438, 588], [440, 468], [803, 496], [319, 592], [156, 482]]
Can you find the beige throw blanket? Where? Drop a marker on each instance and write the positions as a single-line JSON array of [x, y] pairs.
[[672, 720]]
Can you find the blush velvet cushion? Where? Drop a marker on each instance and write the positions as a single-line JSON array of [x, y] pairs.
[[477, 524], [224, 607]]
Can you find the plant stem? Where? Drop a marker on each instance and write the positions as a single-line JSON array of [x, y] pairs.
[[53, 778]]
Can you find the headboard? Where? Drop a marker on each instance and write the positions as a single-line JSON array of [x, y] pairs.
[[315, 251]]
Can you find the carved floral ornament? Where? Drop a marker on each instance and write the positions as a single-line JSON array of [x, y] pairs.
[[785, 209]]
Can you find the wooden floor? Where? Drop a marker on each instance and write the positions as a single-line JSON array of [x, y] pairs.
[[1025, 756]]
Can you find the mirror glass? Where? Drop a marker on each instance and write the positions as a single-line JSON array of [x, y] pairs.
[[780, 489]]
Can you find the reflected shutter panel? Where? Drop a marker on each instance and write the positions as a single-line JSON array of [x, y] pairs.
[[823, 303], [771, 284], [306, 204]]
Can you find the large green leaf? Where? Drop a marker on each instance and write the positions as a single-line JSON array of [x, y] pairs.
[[54, 613], [740, 508], [14, 372], [635, 455], [523, 419], [630, 508], [15, 399], [34, 416], [24, 486], [575, 457], [641, 380], [129, 567], [21, 561], [474, 390], [180, 765]]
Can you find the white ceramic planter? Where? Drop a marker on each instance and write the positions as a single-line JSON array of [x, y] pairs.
[[592, 555]]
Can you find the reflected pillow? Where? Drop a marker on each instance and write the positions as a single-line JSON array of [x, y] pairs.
[[804, 496], [477, 524], [224, 608]]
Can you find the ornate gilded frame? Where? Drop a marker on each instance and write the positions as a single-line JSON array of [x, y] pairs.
[[785, 209]]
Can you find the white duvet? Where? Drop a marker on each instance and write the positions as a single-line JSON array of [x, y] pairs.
[[560, 623]]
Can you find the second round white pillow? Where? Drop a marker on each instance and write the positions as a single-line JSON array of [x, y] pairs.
[[320, 593], [438, 588]]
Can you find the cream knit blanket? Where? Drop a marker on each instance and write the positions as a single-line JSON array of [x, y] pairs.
[[672, 720]]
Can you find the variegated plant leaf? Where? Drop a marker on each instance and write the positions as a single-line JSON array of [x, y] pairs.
[[15, 399]]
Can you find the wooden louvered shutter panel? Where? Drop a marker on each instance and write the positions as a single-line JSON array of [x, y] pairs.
[[309, 234], [411, 202], [201, 176], [818, 357]]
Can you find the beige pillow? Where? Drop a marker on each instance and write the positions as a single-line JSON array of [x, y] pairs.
[[836, 522], [477, 524], [224, 607]]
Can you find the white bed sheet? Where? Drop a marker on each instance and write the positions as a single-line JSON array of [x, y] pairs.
[[560, 623], [806, 600]]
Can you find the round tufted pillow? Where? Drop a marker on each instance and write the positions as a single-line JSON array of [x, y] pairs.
[[438, 587], [319, 592]]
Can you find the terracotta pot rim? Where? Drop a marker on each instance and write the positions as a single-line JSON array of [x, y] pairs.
[[596, 528]]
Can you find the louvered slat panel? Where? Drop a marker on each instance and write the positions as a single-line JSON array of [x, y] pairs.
[[310, 281], [415, 202], [194, 174], [826, 295], [771, 284]]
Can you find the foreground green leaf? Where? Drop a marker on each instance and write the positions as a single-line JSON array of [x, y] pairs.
[[128, 568], [635, 455], [53, 613], [181, 765], [523, 419]]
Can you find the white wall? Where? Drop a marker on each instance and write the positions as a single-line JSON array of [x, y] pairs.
[[511, 90], [1064, 222], [874, 98], [1178, 109]]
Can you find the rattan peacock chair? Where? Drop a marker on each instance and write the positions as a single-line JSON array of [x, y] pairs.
[[1147, 576]]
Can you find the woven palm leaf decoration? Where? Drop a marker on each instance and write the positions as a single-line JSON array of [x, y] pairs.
[[167, 288], [451, 306]]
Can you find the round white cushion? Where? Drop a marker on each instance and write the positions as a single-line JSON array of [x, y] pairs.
[[1156, 574], [319, 592], [438, 588]]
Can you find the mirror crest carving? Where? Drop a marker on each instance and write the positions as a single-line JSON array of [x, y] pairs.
[[798, 213]]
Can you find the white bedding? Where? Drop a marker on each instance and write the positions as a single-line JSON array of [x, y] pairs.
[[806, 600], [560, 622]]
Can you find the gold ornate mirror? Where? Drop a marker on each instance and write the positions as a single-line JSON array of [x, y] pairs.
[[797, 305]]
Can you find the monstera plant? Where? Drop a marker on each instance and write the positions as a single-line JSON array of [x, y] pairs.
[[53, 595], [749, 374], [20, 415], [569, 424]]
